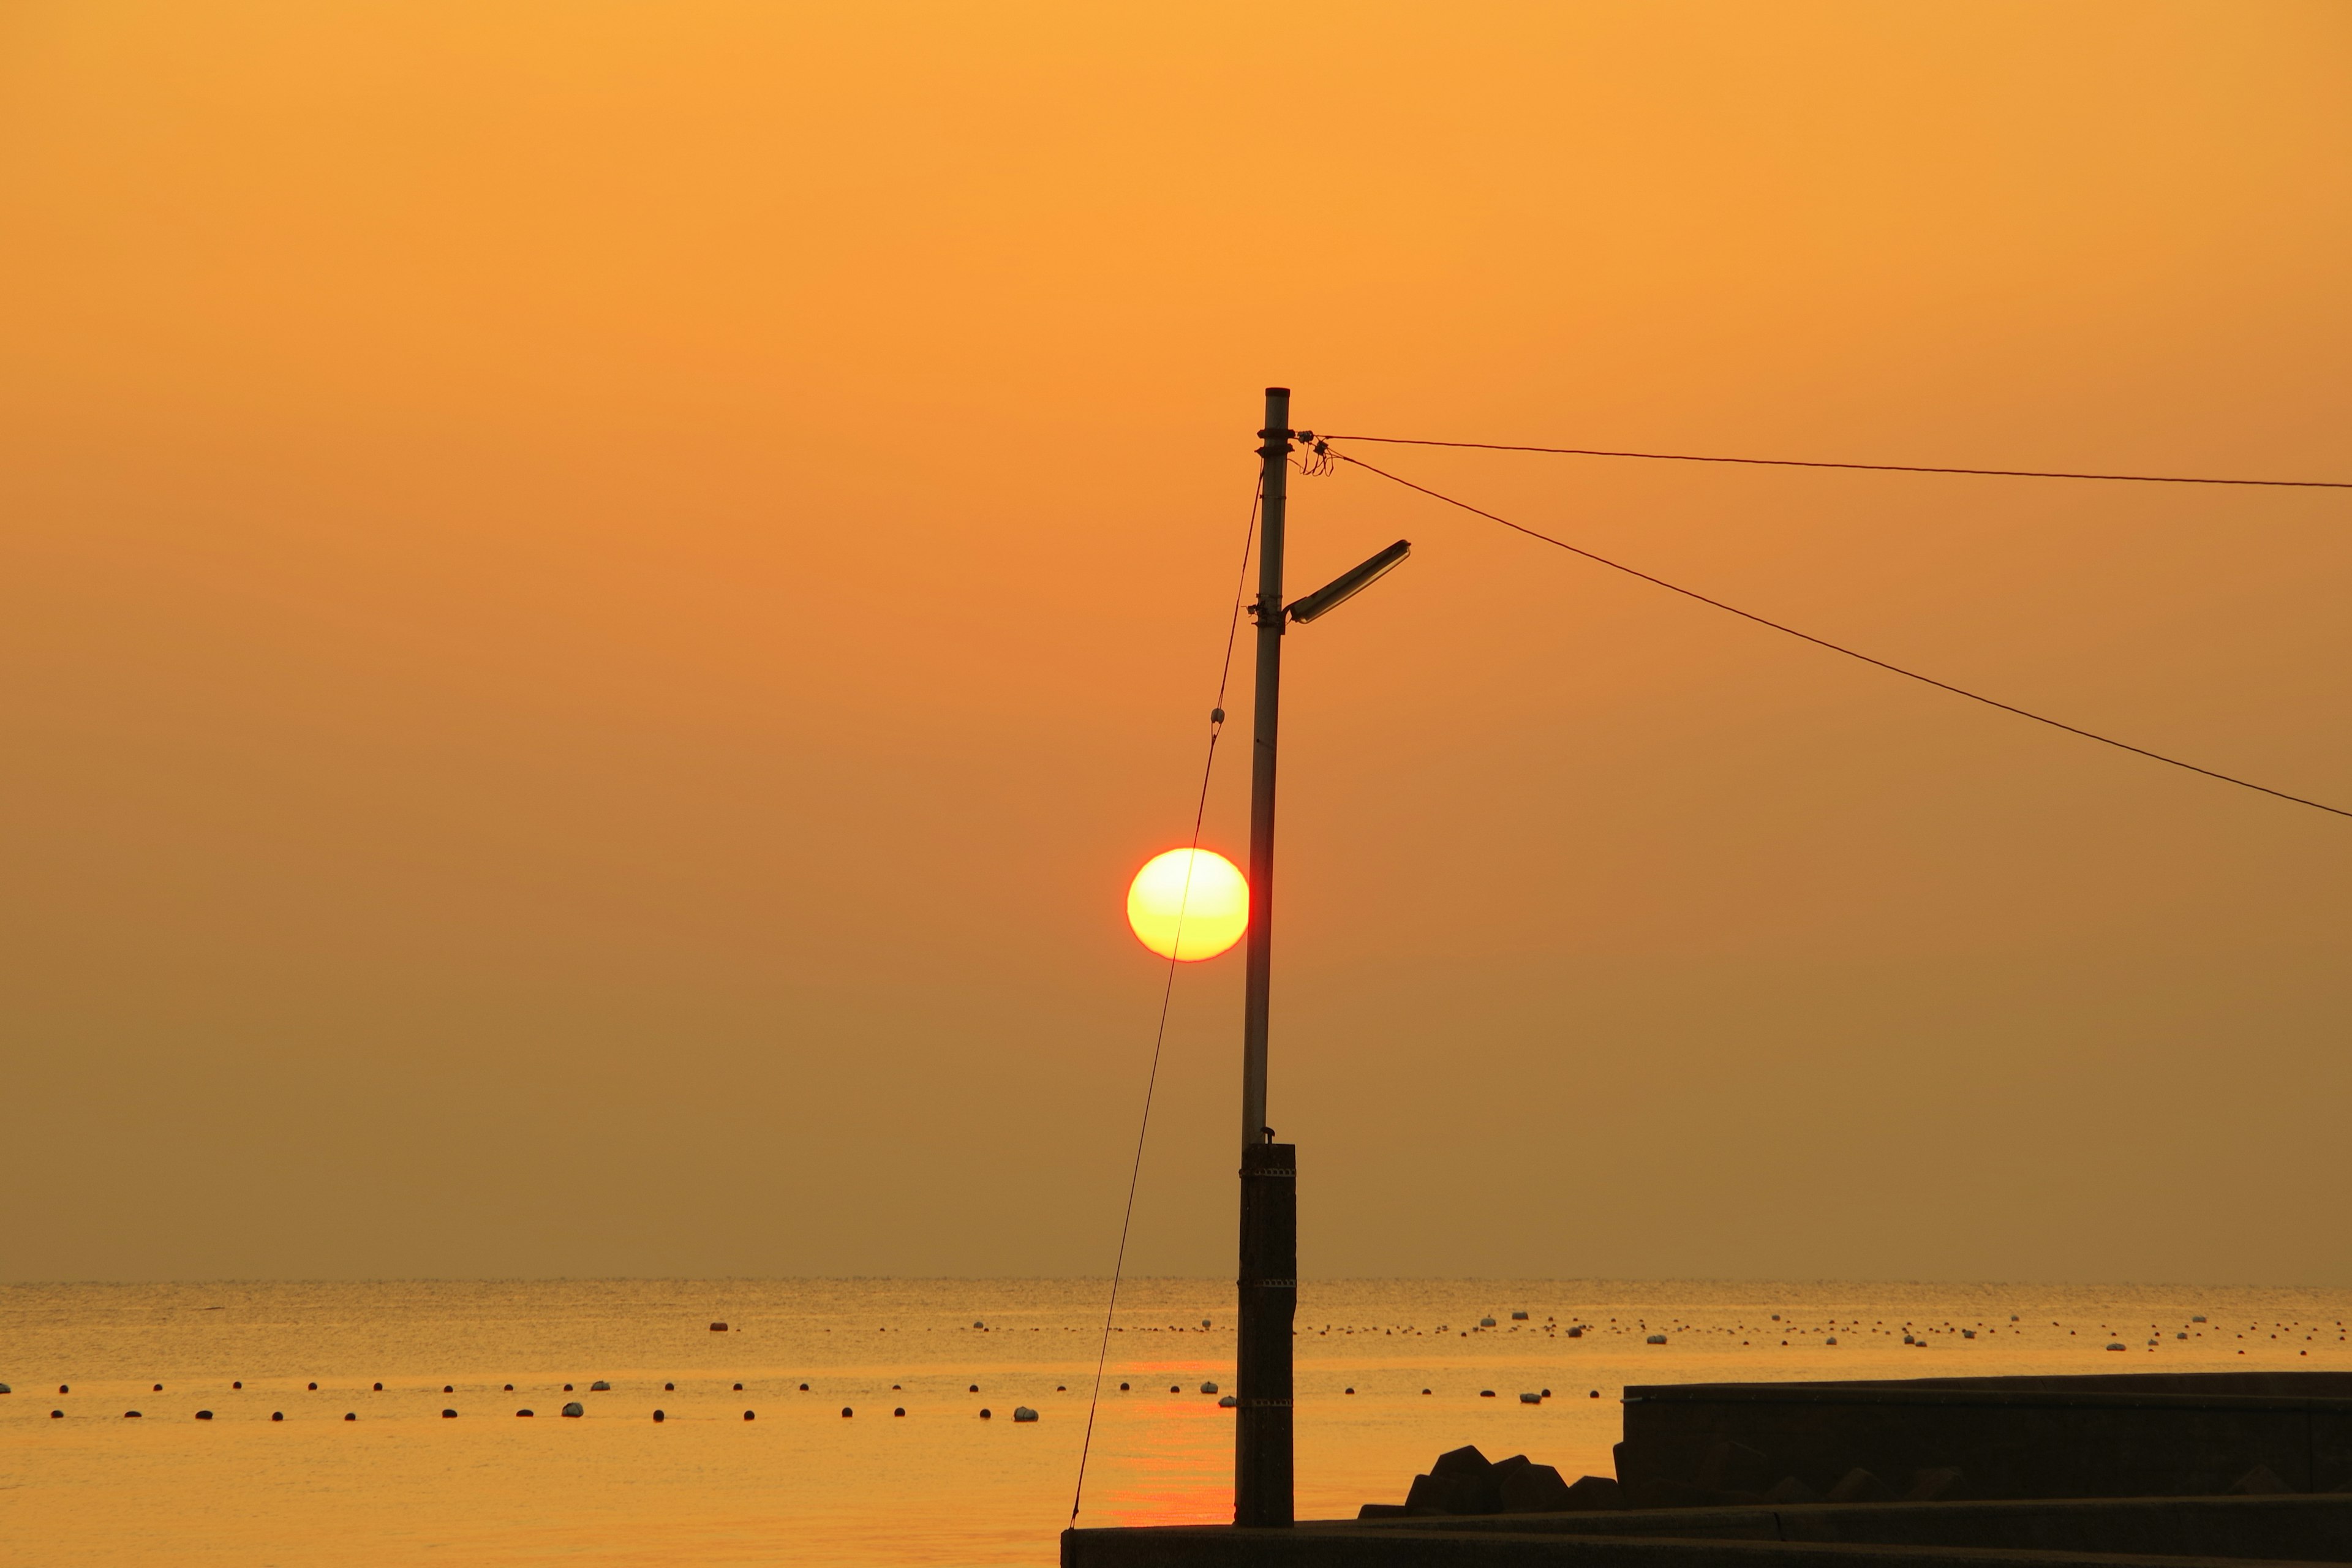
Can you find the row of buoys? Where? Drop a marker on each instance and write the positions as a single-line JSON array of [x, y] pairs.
[[574, 1409]]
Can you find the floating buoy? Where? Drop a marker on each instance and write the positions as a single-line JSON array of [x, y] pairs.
[[130, 1416], [57, 1414], [2115, 1345], [1483, 1393], [1532, 1399], [447, 1388], [350, 1415], [900, 1410], [975, 1388], [977, 1324], [1831, 1341], [1518, 1317], [1122, 1388], [1173, 1389], [203, 1415], [567, 1388], [1023, 1413], [747, 1415], [449, 1416], [1661, 1339], [984, 1412], [509, 1388], [669, 1388], [63, 1389], [1424, 1391], [1208, 1388], [1347, 1391], [159, 1387], [574, 1409], [1061, 1388], [1594, 1394], [379, 1387], [1227, 1403], [739, 1387], [718, 1328], [1204, 1323], [845, 1413], [659, 1417], [526, 1412], [3, 1387], [1485, 1323], [600, 1386], [314, 1387], [274, 1416]]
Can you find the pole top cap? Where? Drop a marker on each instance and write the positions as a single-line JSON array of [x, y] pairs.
[[1277, 392]]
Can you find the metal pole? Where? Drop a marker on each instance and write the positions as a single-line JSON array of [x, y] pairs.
[[1269, 1218]]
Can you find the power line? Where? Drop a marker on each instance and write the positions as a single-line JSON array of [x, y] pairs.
[[1867, 467], [1836, 648], [1167, 993]]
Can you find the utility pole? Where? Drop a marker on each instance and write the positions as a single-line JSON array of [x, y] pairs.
[[1269, 1228]]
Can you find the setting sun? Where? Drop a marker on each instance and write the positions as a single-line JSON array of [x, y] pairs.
[[1189, 923]]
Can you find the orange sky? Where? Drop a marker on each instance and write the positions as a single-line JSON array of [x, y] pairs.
[[597, 603]]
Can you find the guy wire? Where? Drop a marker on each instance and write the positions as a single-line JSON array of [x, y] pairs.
[[1167, 993]]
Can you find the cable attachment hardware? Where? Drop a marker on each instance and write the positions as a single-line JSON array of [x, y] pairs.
[[1317, 460]]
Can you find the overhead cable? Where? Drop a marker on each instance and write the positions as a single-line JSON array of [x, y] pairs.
[[1824, 642], [1867, 467]]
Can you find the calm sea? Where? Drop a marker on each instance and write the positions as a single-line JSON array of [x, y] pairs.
[[806, 1480]]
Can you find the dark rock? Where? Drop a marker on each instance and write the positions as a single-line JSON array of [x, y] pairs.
[[1594, 1493], [1465, 1460], [2260, 1482], [1534, 1489], [1858, 1485], [1789, 1491], [1945, 1483]]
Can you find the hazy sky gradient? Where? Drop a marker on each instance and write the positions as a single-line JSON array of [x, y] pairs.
[[598, 601]]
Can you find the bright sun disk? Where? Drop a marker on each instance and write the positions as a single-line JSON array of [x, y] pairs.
[[1212, 910]]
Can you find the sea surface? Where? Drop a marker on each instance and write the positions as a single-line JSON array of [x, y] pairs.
[[1390, 1373]]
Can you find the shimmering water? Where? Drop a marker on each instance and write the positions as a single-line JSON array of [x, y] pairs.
[[804, 1483]]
